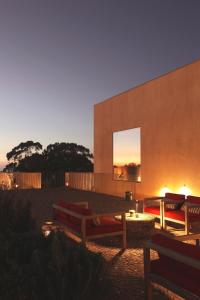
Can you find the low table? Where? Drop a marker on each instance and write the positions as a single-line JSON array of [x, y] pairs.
[[139, 225]]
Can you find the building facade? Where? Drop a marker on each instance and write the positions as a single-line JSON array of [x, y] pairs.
[[167, 111]]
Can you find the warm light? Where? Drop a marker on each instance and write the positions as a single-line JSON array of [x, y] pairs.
[[47, 227], [139, 178], [184, 190], [48, 223], [164, 190], [67, 183], [47, 232]]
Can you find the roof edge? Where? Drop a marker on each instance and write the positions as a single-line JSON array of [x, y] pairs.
[[148, 81]]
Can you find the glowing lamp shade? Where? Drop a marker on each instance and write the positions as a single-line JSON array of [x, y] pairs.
[[164, 190], [184, 190]]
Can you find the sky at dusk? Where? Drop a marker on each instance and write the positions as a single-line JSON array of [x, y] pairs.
[[126, 147], [60, 57]]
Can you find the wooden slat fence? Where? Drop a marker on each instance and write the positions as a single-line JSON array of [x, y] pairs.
[[23, 180], [81, 181]]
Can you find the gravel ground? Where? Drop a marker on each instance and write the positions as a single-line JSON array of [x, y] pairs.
[[125, 268]]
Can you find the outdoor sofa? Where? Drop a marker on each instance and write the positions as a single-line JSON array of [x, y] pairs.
[[154, 205], [86, 224], [177, 267], [186, 213], [174, 208]]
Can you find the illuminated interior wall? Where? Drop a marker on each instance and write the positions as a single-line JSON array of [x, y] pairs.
[[167, 110]]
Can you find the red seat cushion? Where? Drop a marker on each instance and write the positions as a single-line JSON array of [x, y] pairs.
[[175, 215], [180, 274], [106, 225], [175, 271], [179, 215], [178, 246], [155, 210]]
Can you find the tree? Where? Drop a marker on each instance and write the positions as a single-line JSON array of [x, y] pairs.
[[68, 157], [23, 150], [11, 167], [21, 153], [33, 163], [62, 157]]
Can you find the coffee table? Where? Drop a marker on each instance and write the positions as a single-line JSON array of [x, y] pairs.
[[139, 225]]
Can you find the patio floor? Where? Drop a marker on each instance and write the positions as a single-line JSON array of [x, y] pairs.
[[125, 267]]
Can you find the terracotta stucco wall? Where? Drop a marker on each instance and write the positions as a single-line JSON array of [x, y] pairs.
[[168, 111]]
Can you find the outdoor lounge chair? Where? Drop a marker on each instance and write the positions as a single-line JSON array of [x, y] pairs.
[[177, 267], [154, 205], [186, 213], [84, 223]]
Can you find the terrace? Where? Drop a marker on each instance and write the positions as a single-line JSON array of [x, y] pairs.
[[125, 268], [164, 161]]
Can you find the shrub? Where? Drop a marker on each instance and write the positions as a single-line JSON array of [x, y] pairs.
[[15, 214]]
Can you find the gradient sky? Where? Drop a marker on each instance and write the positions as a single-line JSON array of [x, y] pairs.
[[126, 147], [60, 57]]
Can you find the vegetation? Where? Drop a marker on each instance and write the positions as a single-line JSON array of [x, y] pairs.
[[29, 157], [34, 267]]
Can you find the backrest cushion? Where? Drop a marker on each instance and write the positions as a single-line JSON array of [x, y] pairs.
[[177, 246], [80, 210], [193, 199], [176, 197], [76, 208], [64, 204], [192, 210], [174, 206]]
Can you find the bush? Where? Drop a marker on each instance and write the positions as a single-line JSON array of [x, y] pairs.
[[34, 267], [15, 214]]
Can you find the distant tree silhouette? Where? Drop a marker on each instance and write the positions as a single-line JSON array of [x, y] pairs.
[[11, 167], [33, 163], [68, 157], [56, 157], [20, 153]]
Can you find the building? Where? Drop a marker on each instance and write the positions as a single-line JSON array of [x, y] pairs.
[[167, 111]]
